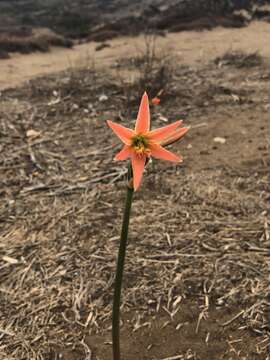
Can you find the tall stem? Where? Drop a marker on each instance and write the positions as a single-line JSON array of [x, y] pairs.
[[119, 275]]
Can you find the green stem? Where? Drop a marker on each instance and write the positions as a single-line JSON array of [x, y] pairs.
[[119, 275]]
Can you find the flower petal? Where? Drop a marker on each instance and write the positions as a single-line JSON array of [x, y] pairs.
[[159, 152], [164, 132], [123, 154], [138, 163], [143, 118], [122, 132], [176, 135]]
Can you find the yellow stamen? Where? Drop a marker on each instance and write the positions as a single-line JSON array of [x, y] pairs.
[[140, 145]]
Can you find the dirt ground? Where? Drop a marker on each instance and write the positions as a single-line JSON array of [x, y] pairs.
[[197, 271], [188, 47]]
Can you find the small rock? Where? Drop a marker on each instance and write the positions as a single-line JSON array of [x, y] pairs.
[[103, 97], [33, 133], [235, 98], [75, 107], [219, 140]]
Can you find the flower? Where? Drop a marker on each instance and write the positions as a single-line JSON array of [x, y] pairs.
[[142, 143], [155, 101]]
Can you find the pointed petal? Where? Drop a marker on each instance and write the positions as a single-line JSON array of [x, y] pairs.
[[138, 163], [175, 136], [122, 132], [164, 132], [159, 152], [143, 118], [123, 154]]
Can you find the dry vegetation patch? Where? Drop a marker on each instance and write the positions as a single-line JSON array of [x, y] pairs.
[[239, 59], [197, 271], [27, 42]]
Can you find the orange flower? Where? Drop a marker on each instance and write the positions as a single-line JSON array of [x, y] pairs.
[[141, 143], [155, 101]]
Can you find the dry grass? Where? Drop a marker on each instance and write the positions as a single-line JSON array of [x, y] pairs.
[[196, 233], [148, 70]]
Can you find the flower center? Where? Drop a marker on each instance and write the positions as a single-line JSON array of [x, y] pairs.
[[140, 145]]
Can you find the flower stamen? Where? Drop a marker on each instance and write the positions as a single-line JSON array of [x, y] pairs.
[[139, 143]]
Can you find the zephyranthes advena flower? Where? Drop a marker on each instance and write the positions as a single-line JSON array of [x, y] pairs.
[[155, 101], [139, 145], [142, 143]]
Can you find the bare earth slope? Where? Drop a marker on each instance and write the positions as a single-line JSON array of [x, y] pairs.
[[189, 47], [71, 21]]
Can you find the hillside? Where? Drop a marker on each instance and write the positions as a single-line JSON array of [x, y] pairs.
[[71, 21]]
